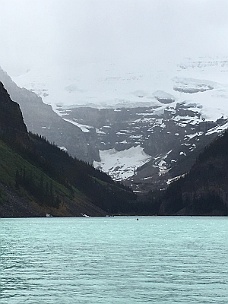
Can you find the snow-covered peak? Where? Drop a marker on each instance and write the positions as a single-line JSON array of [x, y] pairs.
[[203, 81]]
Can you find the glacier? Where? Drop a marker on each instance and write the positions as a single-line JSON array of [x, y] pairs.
[[202, 81]]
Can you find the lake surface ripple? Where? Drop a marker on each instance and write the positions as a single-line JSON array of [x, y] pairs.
[[114, 260]]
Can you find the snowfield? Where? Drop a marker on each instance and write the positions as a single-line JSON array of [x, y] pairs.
[[203, 81], [164, 97], [121, 165]]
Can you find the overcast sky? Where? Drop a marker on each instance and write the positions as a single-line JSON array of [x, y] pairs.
[[72, 32]]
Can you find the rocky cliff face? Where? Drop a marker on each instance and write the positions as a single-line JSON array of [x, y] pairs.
[[12, 126], [41, 119], [147, 147]]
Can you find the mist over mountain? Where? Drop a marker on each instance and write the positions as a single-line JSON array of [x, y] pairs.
[[41, 119], [153, 132], [140, 87], [151, 137]]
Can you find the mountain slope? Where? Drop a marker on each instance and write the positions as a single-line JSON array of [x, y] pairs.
[[37, 177], [41, 119], [148, 146], [19, 198], [203, 191], [144, 125], [12, 126]]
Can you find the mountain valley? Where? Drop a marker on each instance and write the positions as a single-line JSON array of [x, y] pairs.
[[38, 178], [147, 139]]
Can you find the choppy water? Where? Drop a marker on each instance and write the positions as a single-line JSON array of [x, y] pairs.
[[114, 260]]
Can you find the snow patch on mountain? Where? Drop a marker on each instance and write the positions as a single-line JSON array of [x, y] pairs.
[[84, 128], [191, 85], [160, 162], [63, 148], [218, 129], [121, 165], [164, 97], [171, 180]]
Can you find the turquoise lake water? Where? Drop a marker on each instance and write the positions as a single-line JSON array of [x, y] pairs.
[[114, 260]]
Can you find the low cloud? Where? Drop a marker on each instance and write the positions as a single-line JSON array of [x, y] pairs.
[[70, 33]]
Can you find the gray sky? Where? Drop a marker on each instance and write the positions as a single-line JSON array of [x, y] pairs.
[[71, 32]]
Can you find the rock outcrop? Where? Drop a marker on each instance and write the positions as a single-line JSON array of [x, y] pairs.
[[12, 126]]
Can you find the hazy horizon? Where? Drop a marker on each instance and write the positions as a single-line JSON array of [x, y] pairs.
[[68, 34]]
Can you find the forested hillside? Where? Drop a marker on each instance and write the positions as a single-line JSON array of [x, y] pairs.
[[203, 191]]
